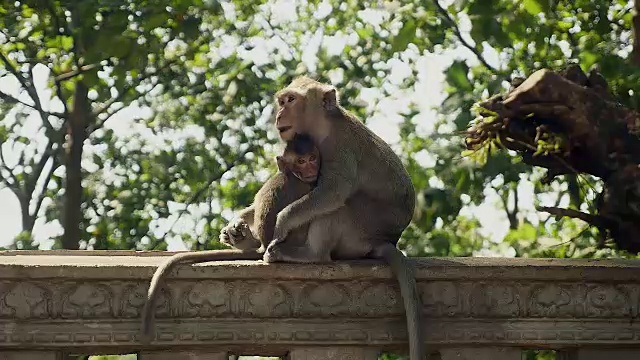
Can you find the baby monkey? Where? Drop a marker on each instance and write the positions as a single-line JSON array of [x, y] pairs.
[[298, 170]]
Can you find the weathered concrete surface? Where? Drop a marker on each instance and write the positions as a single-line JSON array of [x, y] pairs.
[[91, 301]]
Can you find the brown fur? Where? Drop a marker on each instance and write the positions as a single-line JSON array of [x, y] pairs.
[[250, 233], [364, 198], [255, 224]]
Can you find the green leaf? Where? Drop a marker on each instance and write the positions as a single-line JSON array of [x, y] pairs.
[[533, 7], [156, 20], [365, 32], [405, 36], [463, 119], [457, 76], [61, 42], [524, 233]]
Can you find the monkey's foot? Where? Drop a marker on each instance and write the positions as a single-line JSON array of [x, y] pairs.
[[286, 252], [273, 253], [235, 233]]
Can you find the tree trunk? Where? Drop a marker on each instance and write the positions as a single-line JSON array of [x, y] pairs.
[[28, 221], [76, 134]]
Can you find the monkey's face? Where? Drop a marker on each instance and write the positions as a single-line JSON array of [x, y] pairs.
[[306, 167], [290, 109]]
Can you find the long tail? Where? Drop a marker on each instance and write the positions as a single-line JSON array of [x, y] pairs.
[[163, 270], [403, 271]]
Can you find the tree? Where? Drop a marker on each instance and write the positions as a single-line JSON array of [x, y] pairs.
[[230, 105], [100, 56], [528, 36], [570, 124], [201, 80], [557, 124], [181, 83]]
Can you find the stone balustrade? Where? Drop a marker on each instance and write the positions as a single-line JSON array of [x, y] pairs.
[[55, 303]]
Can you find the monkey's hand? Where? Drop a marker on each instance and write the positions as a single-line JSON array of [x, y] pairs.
[[235, 233]]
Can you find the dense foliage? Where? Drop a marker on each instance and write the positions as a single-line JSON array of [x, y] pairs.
[[196, 140]]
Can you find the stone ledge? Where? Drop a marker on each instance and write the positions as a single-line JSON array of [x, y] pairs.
[[141, 265], [92, 300]]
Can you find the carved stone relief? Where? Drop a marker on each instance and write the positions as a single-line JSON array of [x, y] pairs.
[[87, 300], [551, 300], [344, 312], [24, 300], [271, 299]]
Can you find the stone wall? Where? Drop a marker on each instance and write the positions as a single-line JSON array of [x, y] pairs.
[[474, 308]]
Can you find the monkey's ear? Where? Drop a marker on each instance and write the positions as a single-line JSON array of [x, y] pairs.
[[330, 98], [281, 163]]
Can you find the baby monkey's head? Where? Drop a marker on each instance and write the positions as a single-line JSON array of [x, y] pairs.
[[300, 157]]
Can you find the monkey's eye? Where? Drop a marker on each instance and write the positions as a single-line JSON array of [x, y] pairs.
[[291, 98], [280, 102], [312, 158], [300, 161]]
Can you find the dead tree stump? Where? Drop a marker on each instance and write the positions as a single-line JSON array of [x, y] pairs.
[[569, 123]]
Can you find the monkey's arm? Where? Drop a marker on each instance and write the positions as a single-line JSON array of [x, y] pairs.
[[264, 224], [247, 214], [338, 181], [248, 217]]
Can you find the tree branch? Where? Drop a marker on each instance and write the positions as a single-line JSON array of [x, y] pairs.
[[595, 220], [71, 74], [57, 82], [58, 85], [30, 185], [43, 193], [505, 203], [6, 97], [7, 182], [15, 186], [140, 79], [21, 158], [30, 88], [99, 123], [568, 116], [456, 31], [516, 209]]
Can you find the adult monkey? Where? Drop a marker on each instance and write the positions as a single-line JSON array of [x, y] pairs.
[[364, 198]]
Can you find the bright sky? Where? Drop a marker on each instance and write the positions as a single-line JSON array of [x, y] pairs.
[[428, 94]]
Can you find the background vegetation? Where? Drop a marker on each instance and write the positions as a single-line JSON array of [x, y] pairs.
[[133, 123]]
